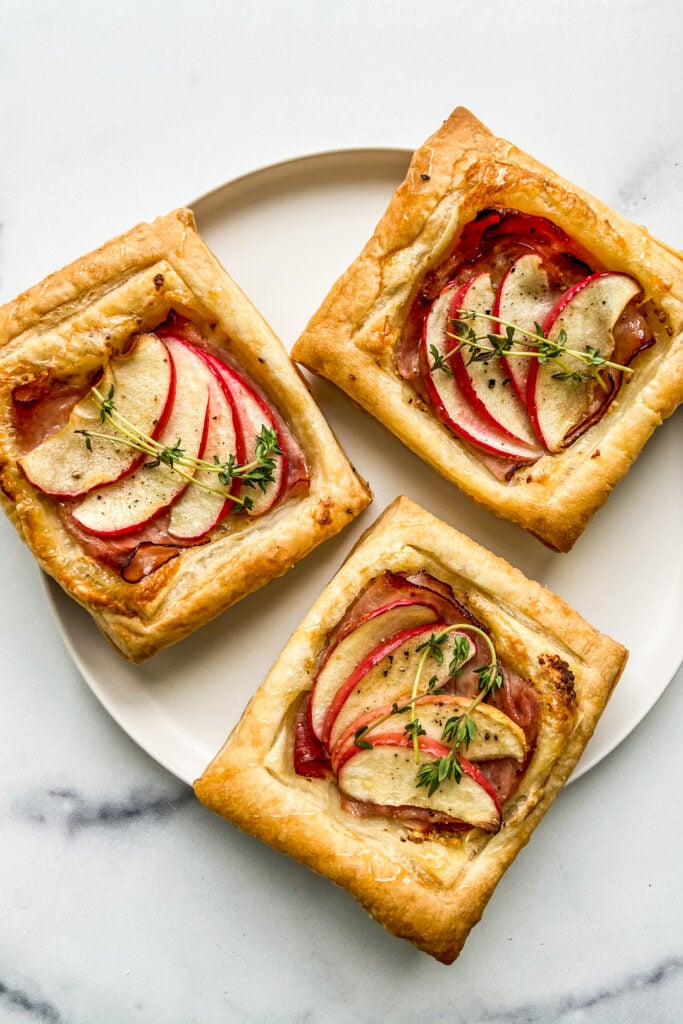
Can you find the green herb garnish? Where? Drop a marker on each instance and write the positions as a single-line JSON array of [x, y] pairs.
[[459, 730], [432, 773], [494, 345], [257, 473]]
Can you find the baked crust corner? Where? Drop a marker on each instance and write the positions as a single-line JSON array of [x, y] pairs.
[[67, 328], [433, 891], [352, 339]]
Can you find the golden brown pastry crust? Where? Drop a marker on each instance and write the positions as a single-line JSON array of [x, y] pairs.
[[66, 328], [430, 892], [351, 340]]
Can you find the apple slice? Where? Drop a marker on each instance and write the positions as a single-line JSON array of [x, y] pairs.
[[386, 773], [253, 414], [126, 504], [352, 650], [524, 299], [63, 467], [486, 383], [387, 674], [448, 398], [587, 312], [198, 509], [497, 736]]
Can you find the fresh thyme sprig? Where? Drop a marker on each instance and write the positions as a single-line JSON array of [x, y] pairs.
[[460, 728], [494, 345], [257, 473], [490, 675], [397, 708]]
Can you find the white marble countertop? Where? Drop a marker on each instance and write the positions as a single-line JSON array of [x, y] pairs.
[[121, 898]]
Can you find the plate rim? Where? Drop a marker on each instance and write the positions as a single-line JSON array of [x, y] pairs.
[[310, 157]]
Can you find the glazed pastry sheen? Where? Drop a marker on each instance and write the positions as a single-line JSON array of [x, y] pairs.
[[428, 886], [360, 338], [55, 342]]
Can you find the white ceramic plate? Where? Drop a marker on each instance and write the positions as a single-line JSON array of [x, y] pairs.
[[285, 233]]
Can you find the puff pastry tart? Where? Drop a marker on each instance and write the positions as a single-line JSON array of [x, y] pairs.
[[416, 727], [159, 452], [510, 329]]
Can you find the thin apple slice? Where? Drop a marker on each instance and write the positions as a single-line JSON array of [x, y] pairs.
[[587, 312], [343, 660], [63, 467], [523, 299], [497, 736], [199, 509], [387, 674], [386, 773], [448, 398], [253, 414], [486, 383], [127, 504]]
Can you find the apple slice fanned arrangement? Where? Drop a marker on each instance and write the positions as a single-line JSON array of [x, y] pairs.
[[413, 713], [497, 321], [159, 452], [165, 446], [526, 344]]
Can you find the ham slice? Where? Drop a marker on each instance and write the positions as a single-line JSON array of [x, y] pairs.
[[391, 587]]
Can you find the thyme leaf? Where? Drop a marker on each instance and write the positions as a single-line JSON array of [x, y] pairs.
[[490, 678], [460, 730], [432, 773], [414, 728], [107, 405], [363, 744]]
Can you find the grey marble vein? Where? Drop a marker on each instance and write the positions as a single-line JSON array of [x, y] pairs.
[[18, 999], [583, 1007], [74, 812]]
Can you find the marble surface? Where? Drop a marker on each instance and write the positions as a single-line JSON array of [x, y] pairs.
[[122, 899]]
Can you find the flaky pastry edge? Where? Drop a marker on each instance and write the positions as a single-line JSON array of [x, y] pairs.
[[69, 325], [431, 893], [351, 340]]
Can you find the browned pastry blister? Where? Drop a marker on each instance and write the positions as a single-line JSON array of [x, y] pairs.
[[427, 886], [61, 335], [357, 338]]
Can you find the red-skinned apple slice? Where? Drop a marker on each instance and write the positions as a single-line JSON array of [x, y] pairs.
[[386, 775], [342, 659], [587, 312], [486, 384], [387, 675], [447, 397], [252, 414], [198, 509], [63, 467], [126, 504], [524, 299], [497, 736]]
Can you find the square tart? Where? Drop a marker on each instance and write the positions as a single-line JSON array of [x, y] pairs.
[[65, 332], [429, 888], [356, 337]]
